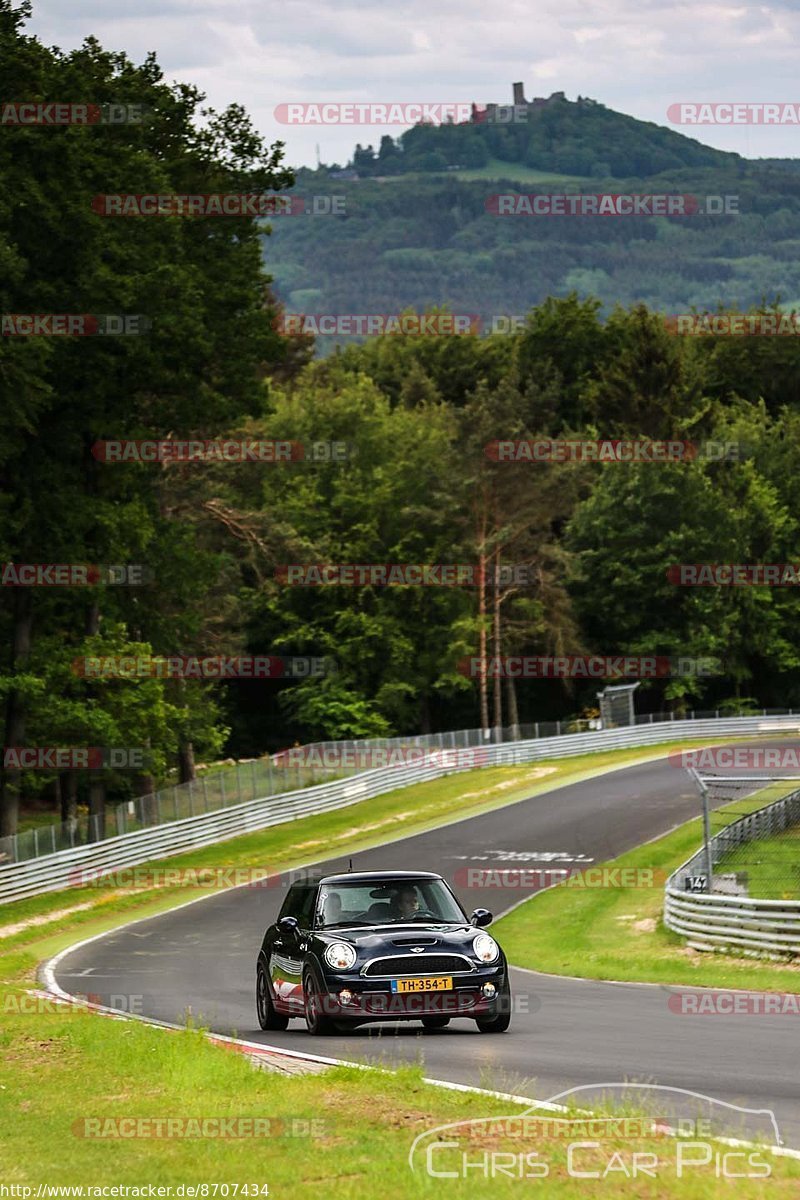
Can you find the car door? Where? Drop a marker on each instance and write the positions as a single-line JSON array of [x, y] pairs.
[[287, 951]]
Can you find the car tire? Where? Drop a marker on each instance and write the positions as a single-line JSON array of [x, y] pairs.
[[431, 1023], [500, 1022], [268, 1018], [318, 1024]]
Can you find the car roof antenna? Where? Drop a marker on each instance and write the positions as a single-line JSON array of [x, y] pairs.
[[350, 865]]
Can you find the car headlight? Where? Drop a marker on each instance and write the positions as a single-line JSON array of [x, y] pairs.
[[340, 956], [485, 948]]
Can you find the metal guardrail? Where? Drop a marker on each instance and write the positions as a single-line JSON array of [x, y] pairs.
[[63, 869], [710, 921], [274, 775]]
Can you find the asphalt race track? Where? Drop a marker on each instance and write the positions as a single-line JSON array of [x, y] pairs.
[[202, 958]]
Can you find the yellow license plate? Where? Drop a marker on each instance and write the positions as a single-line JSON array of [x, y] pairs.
[[433, 983]]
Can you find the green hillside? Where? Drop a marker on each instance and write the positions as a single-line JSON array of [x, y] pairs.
[[418, 242], [580, 137], [418, 228]]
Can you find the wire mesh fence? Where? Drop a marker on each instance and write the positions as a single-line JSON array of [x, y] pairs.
[[286, 772], [756, 853], [210, 792]]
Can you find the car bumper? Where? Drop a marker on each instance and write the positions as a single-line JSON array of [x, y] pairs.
[[373, 999]]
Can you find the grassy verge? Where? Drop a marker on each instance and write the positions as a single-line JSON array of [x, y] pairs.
[[617, 932], [346, 1131], [359, 826], [772, 865], [85, 1100]]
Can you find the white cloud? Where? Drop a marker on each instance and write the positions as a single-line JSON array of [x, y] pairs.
[[639, 56]]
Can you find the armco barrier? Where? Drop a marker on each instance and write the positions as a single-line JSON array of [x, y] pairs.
[[54, 871], [710, 921]]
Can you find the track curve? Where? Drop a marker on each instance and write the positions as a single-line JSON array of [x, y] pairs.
[[201, 958]]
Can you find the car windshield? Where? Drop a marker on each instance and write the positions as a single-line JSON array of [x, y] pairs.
[[394, 902]]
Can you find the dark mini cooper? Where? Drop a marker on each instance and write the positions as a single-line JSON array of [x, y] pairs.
[[388, 946]]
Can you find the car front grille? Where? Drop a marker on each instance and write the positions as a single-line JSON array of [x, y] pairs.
[[419, 964]]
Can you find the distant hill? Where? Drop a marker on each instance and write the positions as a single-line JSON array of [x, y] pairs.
[[580, 137], [426, 237]]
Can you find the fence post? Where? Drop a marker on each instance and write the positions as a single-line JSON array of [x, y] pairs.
[[191, 799], [706, 830], [223, 798], [175, 800], [35, 842], [255, 779], [558, 729], [205, 794]]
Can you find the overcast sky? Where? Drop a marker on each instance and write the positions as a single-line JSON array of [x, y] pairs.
[[636, 56]]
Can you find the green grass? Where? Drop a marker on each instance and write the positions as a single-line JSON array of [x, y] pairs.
[[617, 933], [496, 169], [772, 865], [344, 1132]]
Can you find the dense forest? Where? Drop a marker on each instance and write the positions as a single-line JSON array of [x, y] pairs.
[[416, 221], [431, 240], [416, 485]]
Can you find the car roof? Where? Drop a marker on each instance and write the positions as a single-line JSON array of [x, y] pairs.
[[376, 876]]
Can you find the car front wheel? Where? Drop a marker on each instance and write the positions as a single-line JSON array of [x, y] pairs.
[[268, 1018], [501, 1021], [319, 1025]]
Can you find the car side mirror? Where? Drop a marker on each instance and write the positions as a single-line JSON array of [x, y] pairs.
[[288, 926], [481, 917]]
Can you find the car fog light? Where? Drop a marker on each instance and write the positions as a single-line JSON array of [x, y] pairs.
[[489, 991], [346, 996]]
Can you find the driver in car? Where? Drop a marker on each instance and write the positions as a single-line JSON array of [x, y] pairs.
[[332, 908], [405, 903]]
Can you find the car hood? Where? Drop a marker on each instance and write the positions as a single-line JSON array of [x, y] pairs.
[[400, 938]]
